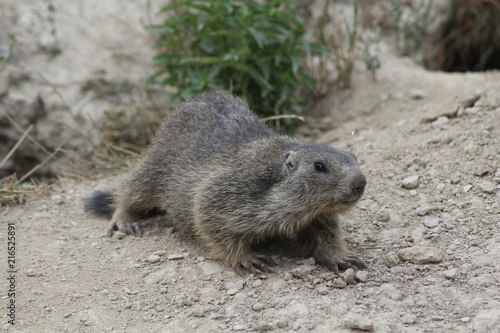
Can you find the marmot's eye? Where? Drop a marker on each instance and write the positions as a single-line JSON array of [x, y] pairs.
[[320, 167]]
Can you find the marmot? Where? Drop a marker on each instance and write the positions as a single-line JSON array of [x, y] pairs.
[[216, 170]]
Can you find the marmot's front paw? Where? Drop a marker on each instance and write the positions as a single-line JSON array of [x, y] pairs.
[[342, 263], [132, 229], [256, 266]]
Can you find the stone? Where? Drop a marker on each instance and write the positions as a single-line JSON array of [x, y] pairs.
[[303, 271], [431, 222], [258, 306], [175, 256], [348, 276], [390, 259], [410, 182], [421, 255], [358, 322], [488, 187], [338, 283], [361, 276], [451, 274], [154, 258], [209, 267]]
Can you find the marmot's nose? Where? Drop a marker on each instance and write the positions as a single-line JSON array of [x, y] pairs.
[[358, 184]]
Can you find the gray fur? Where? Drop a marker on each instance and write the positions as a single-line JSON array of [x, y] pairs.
[[219, 173]]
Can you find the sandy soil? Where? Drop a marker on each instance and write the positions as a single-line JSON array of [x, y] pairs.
[[433, 247]]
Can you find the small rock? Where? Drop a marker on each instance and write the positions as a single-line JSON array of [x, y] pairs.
[[467, 188], [440, 121], [421, 255], [409, 319], [423, 210], [488, 187], [239, 328], [391, 259], [303, 271], [209, 267], [397, 269], [465, 319], [57, 199], [361, 276], [410, 182], [451, 274], [67, 315], [282, 323], [199, 312], [232, 291], [418, 94], [31, 272], [431, 222], [154, 258], [257, 283], [358, 322], [322, 290], [384, 215], [239, 284], [437, 318], [348, 276], [120, 234], [338, 283], [175, 256], [258, 306], [263, 327]]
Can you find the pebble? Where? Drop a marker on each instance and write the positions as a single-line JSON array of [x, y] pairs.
[[57, 199], [154, 258], [440, 121], [258, 306], [418, 94], [303, 271], [349, 276], [391, 259], [421, 255], [263, 327], [431, 222], [232, 291], [358, 322], [451, 274], [31, 272], [239, 328], [239, 284], [423, 210], [410, 182], [322, 290], [175, 256], [361, 276], [199, 312], [465, 319], [338, 283], [120, 234], [384, 215], [467, 188], [488, 187], [257, 283], [409, 319], [209, 268]]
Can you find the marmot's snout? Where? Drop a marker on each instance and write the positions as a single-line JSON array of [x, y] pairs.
[[358, 185]]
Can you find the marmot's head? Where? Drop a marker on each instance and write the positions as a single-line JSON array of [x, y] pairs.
[[325, 177]]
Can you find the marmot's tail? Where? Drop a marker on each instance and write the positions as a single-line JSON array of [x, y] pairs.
[[101, 204]]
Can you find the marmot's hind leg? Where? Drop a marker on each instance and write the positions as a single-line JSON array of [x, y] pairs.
[[129, 209]]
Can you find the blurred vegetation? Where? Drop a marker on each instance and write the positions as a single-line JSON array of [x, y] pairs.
[[471, 41], [253, 49]]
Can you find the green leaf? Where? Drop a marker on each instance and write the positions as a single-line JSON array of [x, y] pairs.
[[257, 36]]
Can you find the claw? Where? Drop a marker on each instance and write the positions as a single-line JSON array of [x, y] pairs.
[[256, 266]]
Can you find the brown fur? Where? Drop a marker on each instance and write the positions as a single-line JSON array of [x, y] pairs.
[[218, 172]]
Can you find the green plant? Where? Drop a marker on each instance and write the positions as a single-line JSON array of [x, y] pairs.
[[254, 49], [409, 29]]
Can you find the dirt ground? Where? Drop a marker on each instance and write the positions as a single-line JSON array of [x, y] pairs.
[[428, 227]]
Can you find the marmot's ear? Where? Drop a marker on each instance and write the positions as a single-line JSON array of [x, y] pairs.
[[291, 159]]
